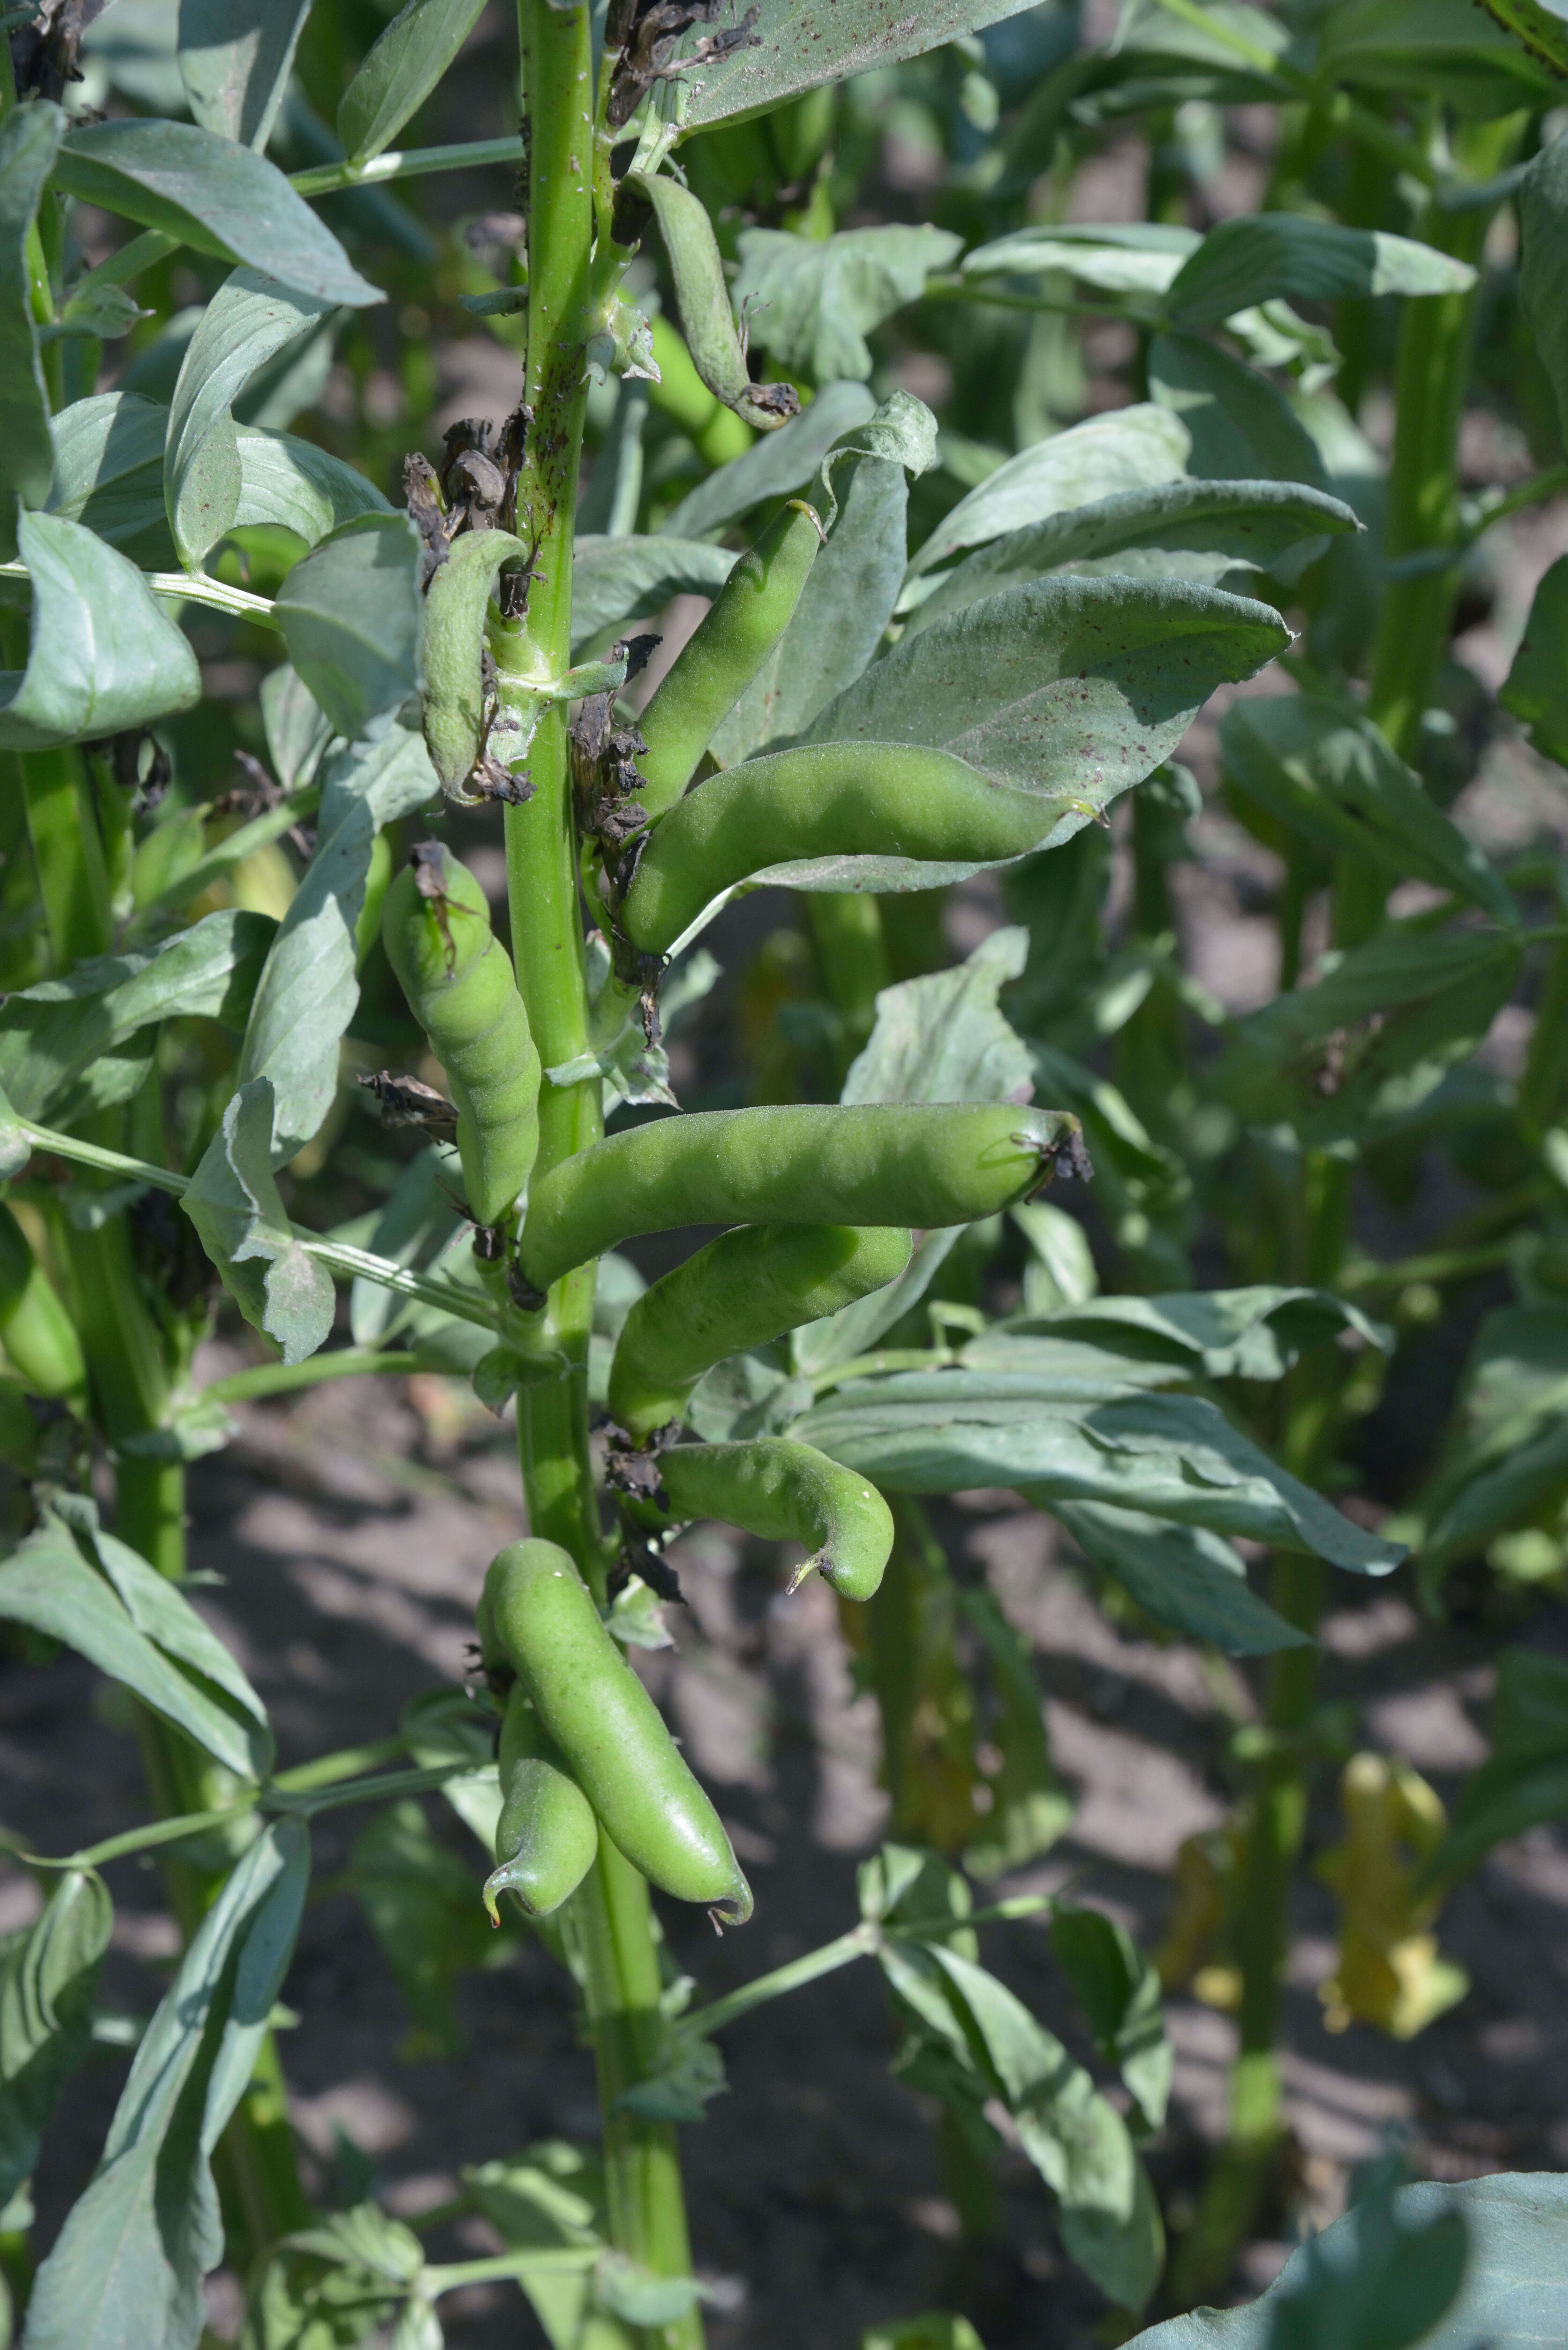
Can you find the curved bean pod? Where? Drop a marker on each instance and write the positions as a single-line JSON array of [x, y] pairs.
[[785, 1492], [745, 1288], [918, 1163], [546, 1836], [456, 602], [832, 799], [702, 298], [458, 979], [38, 1336], [538, 1616], [724, 652]]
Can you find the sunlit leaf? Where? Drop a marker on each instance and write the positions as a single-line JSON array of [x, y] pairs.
[[233, 1202], [102, 652], [399, 69]]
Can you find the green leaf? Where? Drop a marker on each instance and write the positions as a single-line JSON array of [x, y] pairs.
[[1227, 1334], [777, 462], [76, 1583], [71, 1045], [1173, 1456], [942, 1037], [838, 623], [1445, 49], [148, 2229], [1524, 1783], [616, 579], [108, 475], [1263, 256], [1187, 1578], [233, 1202], [423, 1906], [248, 321], [1127, 449], [307, 489], [210, 194], [1505, 1462], [1123, 257], [1369, 1041], [1539, 24], [332, 2285], [1142, 1189], [400, 70], [1186, 530], [798, 47], [47, 1973], [817, 298], [308, 989], [29, 137], [1537, 688], [1118, 1990], [550, 2201], [1324, 769], [351, 613], [445, 1725], [1076, 2141], [101, 312], [1030, 1807], [235, 57], [1074, 689], [102, 654], [1241, 428], [933, 2330], [416, 1226], [1381, 2280], [297, 728]]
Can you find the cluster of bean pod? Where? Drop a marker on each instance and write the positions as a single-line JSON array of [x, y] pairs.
[[819, 1203]]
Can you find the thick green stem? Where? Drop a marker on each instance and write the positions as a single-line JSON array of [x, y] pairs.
[[611, 1917]]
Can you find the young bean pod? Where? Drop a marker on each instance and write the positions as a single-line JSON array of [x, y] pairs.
[[785, 1492], [724, 652], [832, 799], [702, 298], [918, 1163], [458, 980], [745, 1289], [547, 1835], [38, 1336], [538, 1616], [456, 603]]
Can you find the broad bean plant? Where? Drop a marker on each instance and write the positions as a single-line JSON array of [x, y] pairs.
[[927, 656]]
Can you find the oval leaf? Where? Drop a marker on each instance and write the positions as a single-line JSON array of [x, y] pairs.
[[102, 653]]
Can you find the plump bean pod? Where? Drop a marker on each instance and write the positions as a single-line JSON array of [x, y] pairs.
[[547, 1833], [745, 1289], [724, 652], [537, 1617], [787, 1493], [702, 298], [456, 603], [458, 979], [833, 799], [38, 1333], [918, 1163]]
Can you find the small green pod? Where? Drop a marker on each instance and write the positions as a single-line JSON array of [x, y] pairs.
[[538, 1617], [547, 1835], [785, 1492], [830, 799], [702, 299], [724, 652], [458, 979], [919, 1163], [38, 1333], [745, 1289], [456, 603]]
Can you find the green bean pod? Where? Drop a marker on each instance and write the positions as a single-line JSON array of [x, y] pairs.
[[38, 1336], [832, 799], [456, 603], [785, 1492], [745, 1289], [547, 1835], [702, 298], [538, 1616], [918, 1163], [724, 652], [458, 979]]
